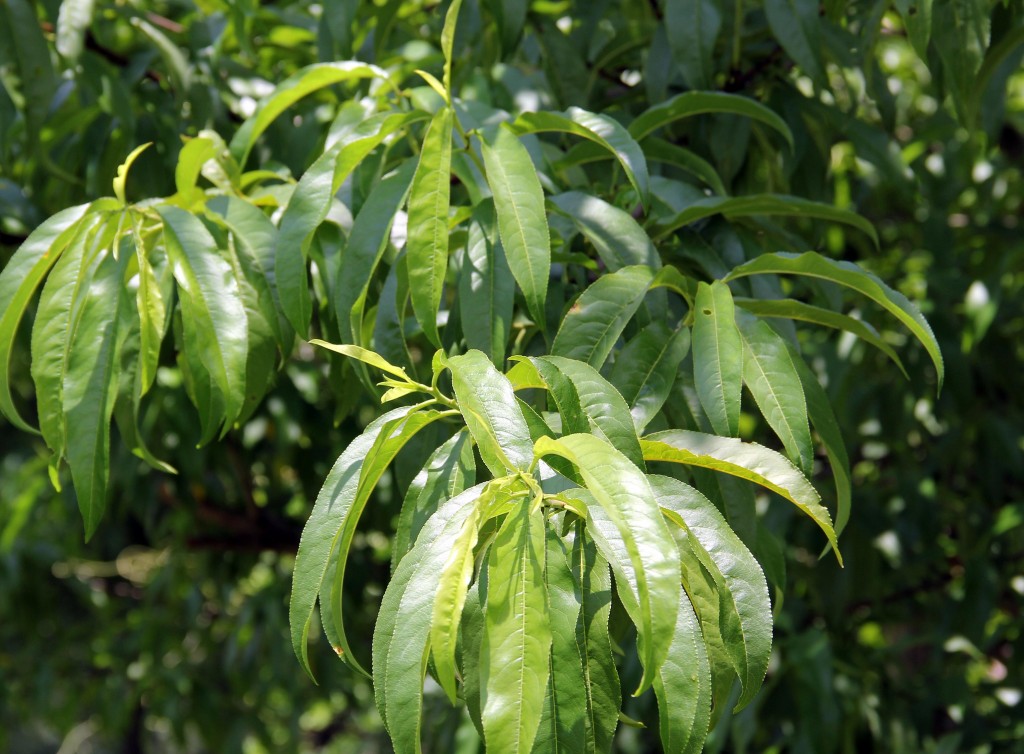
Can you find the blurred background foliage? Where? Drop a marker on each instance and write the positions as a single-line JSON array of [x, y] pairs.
[[167, 631]]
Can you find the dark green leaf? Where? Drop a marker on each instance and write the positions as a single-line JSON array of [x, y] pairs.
[[486, 287], [693, 27], [688, 104], [646, 368], [718, 357]]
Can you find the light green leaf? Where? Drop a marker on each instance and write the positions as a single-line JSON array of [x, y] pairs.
[[851, 276], [598, 317], [772, 379], [563, 726], [688, 104], [57, 316], [796, 26], [717, 357], [427, 245], [692, 27], [763, 204], [122, 171], [604, 694], [616, 236], [606, 410], [488, 405], [486, 287], [90, 386], [517, 640], [683, 687], [522, 221], [363, 355], [745, 610], [602, 130], [19, 280], [792, 309], [628, 527], [646, 368], [332, 506], [745, 460], [303, 82], [193, 155], [366, 244], [451, 18], [402, 634], [449, 470], [213, 314]]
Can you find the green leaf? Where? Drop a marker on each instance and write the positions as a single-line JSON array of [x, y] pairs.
[[363, 355], [291, 90], [745, 460], [510, 16], [402, 634], [32, 55], [688, 104], [602, 130], [792, 309], [763, 204], [90, 386], [563, 726], [598, 317], [616, 236], [449, 470], [917, 18], [628, 527], [449, 600], [646, 368], [522, 221], [606, 410], [796, 25], [18, 282], [486, 287], [659, 150], [489, 407], [772, 379], [683, 686], [122, 171], [212, 310], [366, 244], [851, 276], [693, 27], [717, 357], [173, 57], [451, 18], [57, 316], [604, 694], [745, 610], [823, 419], [193, 155], [517, 640], [427, 244]]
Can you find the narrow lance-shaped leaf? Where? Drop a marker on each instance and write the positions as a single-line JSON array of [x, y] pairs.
[[522, 221], [489, 407], [427, 244], [688, 104], [851, 276], [799, 310], [332, 505], [90, 387], [693, 27], [646, 368], [717, 357], [763, 204], [60, 306], [451, 19], [517, 639], [683, 686], [619, 240], [745, 460], [745, 610], [402, 634], [598, 317], [599, 129], [18, 282], [212, 309], [486, 287], [772, 379], [796, 25], [291, 90], [641, 547], [604, 695], [563, 726], [448, 471], [659, 150]]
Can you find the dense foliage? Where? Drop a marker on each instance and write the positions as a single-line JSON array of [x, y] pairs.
[[601, 193]]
